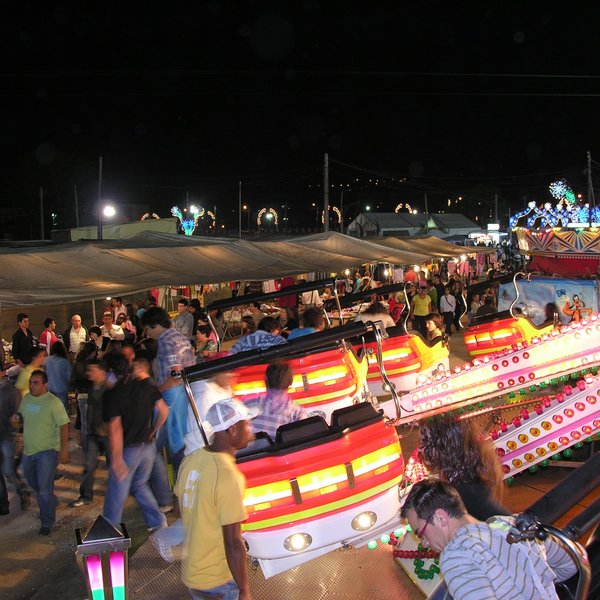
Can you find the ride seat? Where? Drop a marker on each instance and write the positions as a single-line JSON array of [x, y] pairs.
[[355, 416], [262, 443], [302, 431]]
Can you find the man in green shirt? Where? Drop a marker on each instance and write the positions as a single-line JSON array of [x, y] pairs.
[[46, 442]]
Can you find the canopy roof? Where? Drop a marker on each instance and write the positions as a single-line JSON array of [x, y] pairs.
[[84, 270], [431, 245]]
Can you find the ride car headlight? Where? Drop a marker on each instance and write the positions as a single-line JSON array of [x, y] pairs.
[[297, 542], [364, 520]]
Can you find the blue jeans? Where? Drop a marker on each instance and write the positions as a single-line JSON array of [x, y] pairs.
[[39, 469], [7, 468], [227, 591], [177, 401], [139, 459], [159, 479], [95, 445]]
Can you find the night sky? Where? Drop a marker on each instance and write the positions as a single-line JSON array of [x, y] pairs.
[[193, 97]]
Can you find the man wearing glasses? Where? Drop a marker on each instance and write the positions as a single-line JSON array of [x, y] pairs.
[[476, 560]]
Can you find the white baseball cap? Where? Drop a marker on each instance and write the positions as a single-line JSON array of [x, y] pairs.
[[225, 413]]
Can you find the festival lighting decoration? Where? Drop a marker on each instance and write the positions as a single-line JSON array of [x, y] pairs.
[[403, 205], [567, 211], [148, 215], [267, 213], [337, 212], [576, 346], [188, 224], [103, 549]]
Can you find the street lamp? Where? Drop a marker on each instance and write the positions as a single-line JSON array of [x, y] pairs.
[[107, 211], [104, 551], [247, 209]]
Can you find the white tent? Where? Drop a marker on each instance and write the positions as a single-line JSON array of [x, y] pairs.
[[85, 270]]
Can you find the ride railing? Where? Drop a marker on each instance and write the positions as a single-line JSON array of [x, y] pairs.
[[534, 522]]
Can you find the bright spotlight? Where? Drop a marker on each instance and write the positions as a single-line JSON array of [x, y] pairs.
[[109, 211]]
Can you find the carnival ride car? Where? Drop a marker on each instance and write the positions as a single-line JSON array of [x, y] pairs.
[[492, 333], [316, 486], [406, 358]]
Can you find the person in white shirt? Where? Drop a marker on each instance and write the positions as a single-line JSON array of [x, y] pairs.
[[74, 336], [447, 308], [109, 329]]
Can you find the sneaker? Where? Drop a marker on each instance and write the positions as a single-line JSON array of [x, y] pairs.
[[167, 508], [79, 502], [44, 531], [164, 549], [163, 525]]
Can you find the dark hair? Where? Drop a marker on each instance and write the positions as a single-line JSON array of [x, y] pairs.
[[35, 351], [97, 362], [22, 316], [489, 300], [86, 350], [183, 301], [95, 329], [58, 349], [41, 373], [195, 303], [205, 329], [427, 495], [256, 305], [279, 376], [436, 318], [376, 308], [268, 324], [48, 322], [143, 357], [455, 450], [156, 316], [250, 323], [118, 299], [313, 317]]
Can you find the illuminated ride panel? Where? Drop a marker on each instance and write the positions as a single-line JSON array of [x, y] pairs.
[[555, 424], [574, 347], [407, 359], [486, 338], [320, 487], [323, 381]]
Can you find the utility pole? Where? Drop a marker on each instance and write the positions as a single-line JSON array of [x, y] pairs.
[[99, 236], [342, 211], [426, 207], [76, 207], [591, 199], [496, 207], [240, 207], [42, 211], [325, 194]]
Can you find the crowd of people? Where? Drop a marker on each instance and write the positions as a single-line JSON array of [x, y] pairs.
[[132, 407]]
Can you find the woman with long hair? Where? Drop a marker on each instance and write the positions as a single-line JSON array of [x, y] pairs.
[[458, 454]]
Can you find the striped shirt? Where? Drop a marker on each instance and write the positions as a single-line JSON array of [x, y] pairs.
[[478, 564], [275, 409]]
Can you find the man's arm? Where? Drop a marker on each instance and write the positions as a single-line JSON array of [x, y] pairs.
[[161, 417], [64, 457], [115, 439], [235, 551]]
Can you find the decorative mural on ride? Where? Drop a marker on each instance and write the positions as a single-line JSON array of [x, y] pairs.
[[578, 238], [569, 295]]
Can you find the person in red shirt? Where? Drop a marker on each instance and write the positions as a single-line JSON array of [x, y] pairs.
[[48, 337]]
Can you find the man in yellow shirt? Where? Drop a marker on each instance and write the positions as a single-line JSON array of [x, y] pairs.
[[420, 307], [210, 489]]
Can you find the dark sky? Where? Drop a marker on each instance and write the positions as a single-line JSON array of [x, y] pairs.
[[501, 97]]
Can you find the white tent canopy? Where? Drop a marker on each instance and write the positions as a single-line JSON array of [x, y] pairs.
[[84, 270]]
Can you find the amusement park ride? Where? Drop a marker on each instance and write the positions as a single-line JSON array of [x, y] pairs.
[[333, 479]]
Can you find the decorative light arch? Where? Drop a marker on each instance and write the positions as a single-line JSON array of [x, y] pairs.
[[336, 210], [147, 216], [403, 205], [263, 212]]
